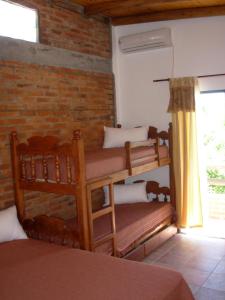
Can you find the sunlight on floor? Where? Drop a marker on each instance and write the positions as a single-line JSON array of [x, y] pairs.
[[213, 228]]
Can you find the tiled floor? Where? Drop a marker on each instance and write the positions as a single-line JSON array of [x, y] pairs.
[[201, 260]]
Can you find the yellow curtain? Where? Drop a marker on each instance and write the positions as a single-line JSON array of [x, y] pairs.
[[183, 92]]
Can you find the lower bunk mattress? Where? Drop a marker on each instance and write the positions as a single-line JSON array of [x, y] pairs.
[[37, 270], [133, 222]]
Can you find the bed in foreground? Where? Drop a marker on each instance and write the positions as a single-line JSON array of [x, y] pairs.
[[37, 270]]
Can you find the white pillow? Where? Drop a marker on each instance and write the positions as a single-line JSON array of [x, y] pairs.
[[127, 193], [10, 228], [116, 137]]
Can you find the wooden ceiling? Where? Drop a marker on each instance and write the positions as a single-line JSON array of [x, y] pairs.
[[124, 12]]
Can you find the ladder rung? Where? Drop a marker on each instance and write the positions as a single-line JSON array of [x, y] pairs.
[[102, 212], [108, 237], [99, 183]]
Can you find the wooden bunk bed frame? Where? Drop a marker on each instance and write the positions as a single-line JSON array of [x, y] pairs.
[[78, 186], [149, 240]]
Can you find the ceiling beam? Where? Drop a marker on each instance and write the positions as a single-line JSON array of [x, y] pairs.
[[101, 7], [171, 15]]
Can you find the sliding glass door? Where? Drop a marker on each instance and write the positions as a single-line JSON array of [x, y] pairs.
[[211, 133]]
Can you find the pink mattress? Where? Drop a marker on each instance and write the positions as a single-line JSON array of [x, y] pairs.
[[34, 270], [107, 161], [99, 163]]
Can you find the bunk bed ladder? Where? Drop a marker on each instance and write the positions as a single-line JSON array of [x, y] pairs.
[[92, 216]]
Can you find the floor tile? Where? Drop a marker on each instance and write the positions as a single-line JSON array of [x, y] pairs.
[[155, 255], [194, 288], [216, 282], [175, 268], [210, 254], [181, 248], [172, 259], [211, 251], [200, 260], [209, 294], [194, 276], [220, 268], [202, 263]]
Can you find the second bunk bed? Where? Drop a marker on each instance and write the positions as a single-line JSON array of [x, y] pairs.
[[124, 230]]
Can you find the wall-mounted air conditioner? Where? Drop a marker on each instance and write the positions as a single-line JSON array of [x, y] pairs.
[[159, 38]]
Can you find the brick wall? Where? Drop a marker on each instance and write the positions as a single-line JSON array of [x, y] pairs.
[[37, 99], [70, 30]]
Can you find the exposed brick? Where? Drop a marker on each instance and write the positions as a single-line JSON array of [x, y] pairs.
[[43, 100], [61, 110], [68, 29]]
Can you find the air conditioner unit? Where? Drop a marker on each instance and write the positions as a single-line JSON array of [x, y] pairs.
[[159, 38]]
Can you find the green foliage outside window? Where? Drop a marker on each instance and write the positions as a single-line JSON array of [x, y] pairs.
[[215, 174]]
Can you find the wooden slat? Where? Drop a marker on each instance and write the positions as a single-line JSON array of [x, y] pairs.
[[33, 168], [128, 157], [152, 240], [159, 239], [80, 195], [69, 171], [102, 7], [119, 176], [104, 240], [135, 7], [115, 177], [143, 159], [98, 183], [113, 220], [157, 148], [68, 4], [101, 212], [145, 168], [90, 221], [19, 193], [23, 168], [148, 143], [57, 169], [45, 168], [62, 189], [164, 161], [50, 229], [171, 15]]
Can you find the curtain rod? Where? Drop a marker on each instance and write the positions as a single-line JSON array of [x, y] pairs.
[[201, 76]]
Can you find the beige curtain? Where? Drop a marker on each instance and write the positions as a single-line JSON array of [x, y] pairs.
[[183, 92]]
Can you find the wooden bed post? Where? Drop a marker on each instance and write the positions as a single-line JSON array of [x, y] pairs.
[[171, 167], [128, 158], [19, 193], [80, 194]]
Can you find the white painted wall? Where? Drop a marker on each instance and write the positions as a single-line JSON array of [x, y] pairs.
[[199, 48]]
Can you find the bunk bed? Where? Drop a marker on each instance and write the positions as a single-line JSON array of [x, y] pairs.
[[43, 164], [140, 227]]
